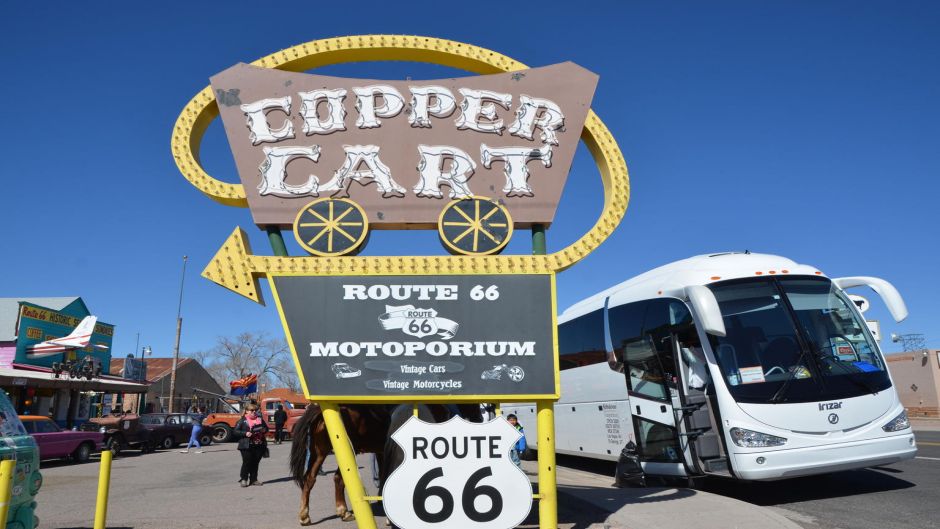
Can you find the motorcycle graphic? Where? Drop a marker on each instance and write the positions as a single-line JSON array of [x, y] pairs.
[[515, 373]]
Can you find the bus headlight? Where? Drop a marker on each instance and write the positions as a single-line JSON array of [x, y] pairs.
[[898, 423], [751, 439]]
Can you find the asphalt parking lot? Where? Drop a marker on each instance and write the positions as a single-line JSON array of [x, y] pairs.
[[170, 489], [200, 491]]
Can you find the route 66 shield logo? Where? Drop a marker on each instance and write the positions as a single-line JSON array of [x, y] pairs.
[[457, 474], [417, 322]]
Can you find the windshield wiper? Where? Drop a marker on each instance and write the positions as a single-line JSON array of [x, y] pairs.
[[779, 394], [781, 391]]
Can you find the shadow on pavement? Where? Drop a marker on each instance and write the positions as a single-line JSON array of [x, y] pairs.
[[280, 480], [825, 486]]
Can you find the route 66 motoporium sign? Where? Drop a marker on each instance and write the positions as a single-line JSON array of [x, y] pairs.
[[413, 338], [457, 474]]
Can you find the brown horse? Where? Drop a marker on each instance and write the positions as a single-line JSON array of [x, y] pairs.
[[367, 428]]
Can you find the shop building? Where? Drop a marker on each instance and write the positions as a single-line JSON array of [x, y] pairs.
[[41, 384], [917, 378], [194, 386]]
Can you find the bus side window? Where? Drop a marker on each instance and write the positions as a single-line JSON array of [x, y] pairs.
[[626, 325], [644, 372], [581, 341], [659, 324]]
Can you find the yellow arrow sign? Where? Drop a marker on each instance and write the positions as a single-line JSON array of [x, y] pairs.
[[235, 268]]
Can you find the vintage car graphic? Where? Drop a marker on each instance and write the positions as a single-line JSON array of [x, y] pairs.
[[343, 370]]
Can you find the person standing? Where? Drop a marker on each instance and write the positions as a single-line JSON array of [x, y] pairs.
[[520, 445], [280, 418], [251, 431], [198, 415]]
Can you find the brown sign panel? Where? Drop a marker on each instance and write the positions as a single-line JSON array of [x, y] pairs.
[[404, 149]]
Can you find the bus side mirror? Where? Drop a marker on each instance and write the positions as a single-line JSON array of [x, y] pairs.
[[888, 293], [706, 310]]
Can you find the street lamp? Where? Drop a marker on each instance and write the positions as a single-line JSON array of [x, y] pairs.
[[146, 350], [176, 348]]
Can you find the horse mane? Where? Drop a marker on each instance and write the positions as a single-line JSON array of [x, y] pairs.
[[300, 451]]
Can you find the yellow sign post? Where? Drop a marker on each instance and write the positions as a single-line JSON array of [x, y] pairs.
[[236, 268], [7, 469]]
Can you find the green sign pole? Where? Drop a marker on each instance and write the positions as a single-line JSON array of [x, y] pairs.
[[277, 241], [538, 239]]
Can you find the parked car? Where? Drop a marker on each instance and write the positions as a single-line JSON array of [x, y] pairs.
[[121, 431], [168, 430], [54, 442], [26, 480]]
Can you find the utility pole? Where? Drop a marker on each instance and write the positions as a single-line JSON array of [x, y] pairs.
[[176, 348]]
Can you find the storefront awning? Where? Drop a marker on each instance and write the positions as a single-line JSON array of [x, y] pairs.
[[37, 378]]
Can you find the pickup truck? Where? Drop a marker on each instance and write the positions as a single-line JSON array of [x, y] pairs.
[[54, 442], [121, 431], [221, 424]]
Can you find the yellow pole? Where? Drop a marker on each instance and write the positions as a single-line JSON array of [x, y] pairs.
[[346, 460], [548, 493], [104, 485], [7, 469]]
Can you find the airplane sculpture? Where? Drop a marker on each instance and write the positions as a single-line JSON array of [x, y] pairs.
[[77, 339]]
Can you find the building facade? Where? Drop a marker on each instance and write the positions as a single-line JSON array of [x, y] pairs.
[[38, 383], [194, 387], [917, 378]]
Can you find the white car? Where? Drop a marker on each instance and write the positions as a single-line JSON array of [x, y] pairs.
[[343, 370]]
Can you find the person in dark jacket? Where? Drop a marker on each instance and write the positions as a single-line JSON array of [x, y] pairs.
[[251, 432], [280, 417]]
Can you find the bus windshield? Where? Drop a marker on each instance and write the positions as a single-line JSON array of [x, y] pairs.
[[793, 339]]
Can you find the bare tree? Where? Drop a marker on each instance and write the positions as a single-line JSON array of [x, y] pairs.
[[257, 353]]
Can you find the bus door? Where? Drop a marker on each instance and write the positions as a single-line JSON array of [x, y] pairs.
[[650, 370], [699, 436]]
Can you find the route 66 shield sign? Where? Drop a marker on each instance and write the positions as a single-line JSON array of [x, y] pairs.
[[457, 474], [416, 322]]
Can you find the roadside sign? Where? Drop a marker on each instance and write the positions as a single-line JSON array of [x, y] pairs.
[[860, 302], [421, 143], [457, 474], [421, 337], [475, 158]]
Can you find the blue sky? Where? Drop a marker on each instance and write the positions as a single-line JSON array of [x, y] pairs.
[[804, 129]]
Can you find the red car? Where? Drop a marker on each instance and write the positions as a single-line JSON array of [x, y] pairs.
[[54, 442]]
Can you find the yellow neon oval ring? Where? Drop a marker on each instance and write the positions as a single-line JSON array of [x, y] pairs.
[[199, 112]]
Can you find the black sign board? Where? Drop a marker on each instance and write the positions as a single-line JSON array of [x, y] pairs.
[[412, 338]]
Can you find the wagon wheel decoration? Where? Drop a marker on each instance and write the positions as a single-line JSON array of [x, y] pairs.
[[475, 226], [331, 226]]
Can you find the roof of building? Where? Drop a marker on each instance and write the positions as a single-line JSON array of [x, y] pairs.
[[908, 355], [10, 312], [43, 377], [285, 394], [157, 368]]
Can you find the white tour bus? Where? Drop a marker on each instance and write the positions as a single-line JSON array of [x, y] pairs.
[[742, 365]]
